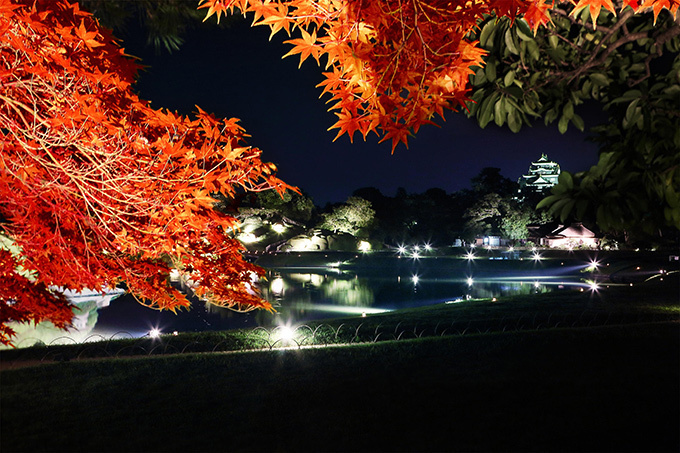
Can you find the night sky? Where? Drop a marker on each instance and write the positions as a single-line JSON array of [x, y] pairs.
[[237, 72]]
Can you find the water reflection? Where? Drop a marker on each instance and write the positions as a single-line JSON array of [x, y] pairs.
[[316, 294], [323, 292]]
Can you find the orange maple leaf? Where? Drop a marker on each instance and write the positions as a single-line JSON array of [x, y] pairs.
[[304, 46], [657, 5], [87, 37], [218, 7], [537, 14], [594, 7]]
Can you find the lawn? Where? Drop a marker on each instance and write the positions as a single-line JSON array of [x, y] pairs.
[[564, 371]]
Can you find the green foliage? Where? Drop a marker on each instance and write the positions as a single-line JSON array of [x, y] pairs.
[[485, 215], [291, 205], [355, 217], [635, 194], [550, 74], [628, 65]]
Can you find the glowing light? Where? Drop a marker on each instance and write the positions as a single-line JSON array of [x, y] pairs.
[[416, 255], [510, 249], [494, 300], [537, 285], [346, 310], [402, 249], [286, 333], [455, 301], [537, 257], [154, 333], [470, 256], [279, 228], [277, 286], [175, 333], [533, 249], [363, 314], [593, 286], [364, 246], [470, 281], [248, 238], [428, 247], [416, 248], [415, 279]]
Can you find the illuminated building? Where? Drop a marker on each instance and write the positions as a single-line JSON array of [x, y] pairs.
[[542, 176]]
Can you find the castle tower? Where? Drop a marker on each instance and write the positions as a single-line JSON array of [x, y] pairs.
[[543, 174]]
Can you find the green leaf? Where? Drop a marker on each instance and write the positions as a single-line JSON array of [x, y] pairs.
[[533, 50], [628, 96], [563, 124], [486, 110], [578, 122], [568, 110], [509, 78], [523, 27], [599, 79], [550, 115], [514, 121], [633, 116], [510, 42], [547, 201], [490, 70], [486, 37], [499, 112], [554, 41], [566, 210], [565, 179], [528, 109]]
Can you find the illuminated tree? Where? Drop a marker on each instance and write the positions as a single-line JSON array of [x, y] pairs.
[[97, 188], [354, 217], [485, 215]]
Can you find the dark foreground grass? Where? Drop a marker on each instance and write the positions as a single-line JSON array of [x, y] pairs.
[[557, 372], [606, 388]]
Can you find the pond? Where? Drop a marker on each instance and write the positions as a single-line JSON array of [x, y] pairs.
[[304, 289]]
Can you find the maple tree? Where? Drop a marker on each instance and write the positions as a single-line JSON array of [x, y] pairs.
[[99, 189]]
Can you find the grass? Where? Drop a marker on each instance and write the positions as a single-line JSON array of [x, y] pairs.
[[505, 376]]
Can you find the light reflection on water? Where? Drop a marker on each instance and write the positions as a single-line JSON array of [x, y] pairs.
[[301, 295]]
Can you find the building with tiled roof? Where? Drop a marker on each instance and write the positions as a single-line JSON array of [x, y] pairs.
[[542, 175]]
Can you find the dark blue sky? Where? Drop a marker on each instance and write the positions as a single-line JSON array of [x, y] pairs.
[[237, 72]]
